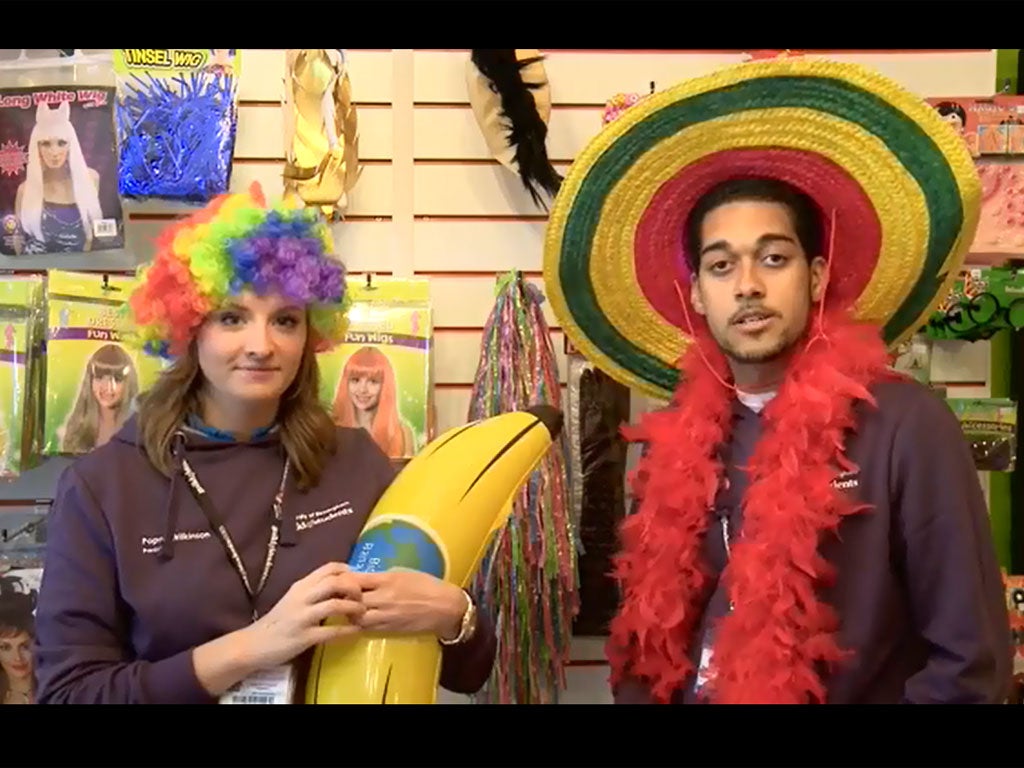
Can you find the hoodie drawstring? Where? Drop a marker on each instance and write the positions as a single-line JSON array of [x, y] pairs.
[[171, 508]]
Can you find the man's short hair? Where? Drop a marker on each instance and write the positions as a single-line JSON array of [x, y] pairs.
[[805, 213]]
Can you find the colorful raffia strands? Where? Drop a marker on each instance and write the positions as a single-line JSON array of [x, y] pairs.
[[238, 242], [528, 580], [896, 185], [176, 126]]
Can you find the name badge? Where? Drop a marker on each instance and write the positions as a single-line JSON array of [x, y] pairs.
[[270, 686], [703, 671]]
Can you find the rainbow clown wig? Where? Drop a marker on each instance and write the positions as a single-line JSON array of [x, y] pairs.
[[238, 243]]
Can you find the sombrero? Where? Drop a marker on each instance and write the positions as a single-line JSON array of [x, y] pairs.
[[899, 182]]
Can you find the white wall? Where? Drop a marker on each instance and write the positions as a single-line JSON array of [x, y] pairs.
[[432, 203]]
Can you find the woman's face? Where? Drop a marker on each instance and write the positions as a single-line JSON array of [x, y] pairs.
[[16, 655], [108, 387], [364, 391], [53, 152], [250, 349]]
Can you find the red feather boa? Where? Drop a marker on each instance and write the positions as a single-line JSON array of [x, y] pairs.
[[771, 648]]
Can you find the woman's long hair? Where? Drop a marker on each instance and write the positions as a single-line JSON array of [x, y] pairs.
[[56, 123], [17, 616], [82, 426], [308, 435], [386, 425]]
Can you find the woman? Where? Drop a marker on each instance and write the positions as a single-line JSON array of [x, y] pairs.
[[59, 202], [367, 397], [142, 599], [106, 398], [17, 685]]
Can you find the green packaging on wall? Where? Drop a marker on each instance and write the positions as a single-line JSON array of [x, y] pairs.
[[990, 426], [21, 372]]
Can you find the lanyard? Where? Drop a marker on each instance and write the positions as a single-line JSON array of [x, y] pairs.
[[725, 541], [218, 526]]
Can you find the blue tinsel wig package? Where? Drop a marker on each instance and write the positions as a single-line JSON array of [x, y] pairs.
[[58, 162], [177, 118]]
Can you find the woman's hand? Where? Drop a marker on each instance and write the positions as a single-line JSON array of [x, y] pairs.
[[295, 623], [413, 602], [291, 627]]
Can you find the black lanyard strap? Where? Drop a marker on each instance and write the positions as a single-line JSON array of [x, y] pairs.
[[219, 528]]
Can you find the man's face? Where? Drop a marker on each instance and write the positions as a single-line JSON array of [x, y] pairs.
[[755, 286]]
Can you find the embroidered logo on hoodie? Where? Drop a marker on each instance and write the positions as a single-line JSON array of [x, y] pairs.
[[307, 520], [303, 521], [847, 480]]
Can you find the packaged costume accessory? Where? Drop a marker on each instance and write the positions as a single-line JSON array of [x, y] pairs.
[[990, 427], [899, 202], [510, 97], [23, 327], [381, 377], [321, 137], [19, 595], [236, 242], [177, 118], [23, 536], [58, 163], [94, 373]]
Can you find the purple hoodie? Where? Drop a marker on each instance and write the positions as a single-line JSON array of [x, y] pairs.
[[918, 590], [120, 610]]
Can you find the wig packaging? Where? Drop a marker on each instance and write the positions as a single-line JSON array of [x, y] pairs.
[[58, 163], [19, 596], [21, 347], [381, 377], [94, 375], [177, 119], [597, 408]]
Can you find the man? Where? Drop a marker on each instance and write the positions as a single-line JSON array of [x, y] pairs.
[[810, 527]]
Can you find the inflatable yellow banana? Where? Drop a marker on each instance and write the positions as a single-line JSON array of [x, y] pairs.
[[439, 516]]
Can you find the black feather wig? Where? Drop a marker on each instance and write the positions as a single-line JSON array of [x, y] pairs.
[[528, 133]]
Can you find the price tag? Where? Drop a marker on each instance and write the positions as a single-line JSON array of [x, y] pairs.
[[271, 686]]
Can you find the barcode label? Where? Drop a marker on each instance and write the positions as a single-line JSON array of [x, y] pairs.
[[268, 686], [104, 228], [252, 698]]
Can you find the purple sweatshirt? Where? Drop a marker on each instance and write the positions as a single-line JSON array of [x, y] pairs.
[[119, 611], [919, 592]]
